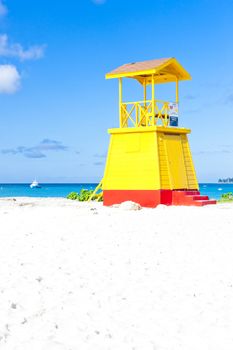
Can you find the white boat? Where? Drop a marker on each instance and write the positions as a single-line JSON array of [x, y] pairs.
[[35, 184]]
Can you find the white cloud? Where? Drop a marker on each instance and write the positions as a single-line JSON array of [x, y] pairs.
[[38, 151], [3, 9], [9, 79], [16, 50]]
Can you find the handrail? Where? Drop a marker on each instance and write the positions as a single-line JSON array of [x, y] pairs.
[[144, 113], [97, 196], [143, 101]]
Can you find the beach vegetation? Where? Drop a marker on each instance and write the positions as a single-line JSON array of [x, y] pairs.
[[226, 197], [73, 196], [84, 195]]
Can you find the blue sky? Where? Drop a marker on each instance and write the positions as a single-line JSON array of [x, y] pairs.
[[56, 105]]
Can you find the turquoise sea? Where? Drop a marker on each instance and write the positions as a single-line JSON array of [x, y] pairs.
[[62, 190], [46, 190]]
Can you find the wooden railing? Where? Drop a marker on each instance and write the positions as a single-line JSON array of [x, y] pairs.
[[144, 113]]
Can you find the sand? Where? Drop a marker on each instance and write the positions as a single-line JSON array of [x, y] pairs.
[[77, 276]]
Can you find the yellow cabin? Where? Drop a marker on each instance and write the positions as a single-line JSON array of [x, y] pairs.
[[149, 159]]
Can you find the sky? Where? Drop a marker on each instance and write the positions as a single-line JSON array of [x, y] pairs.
[[56, 106]]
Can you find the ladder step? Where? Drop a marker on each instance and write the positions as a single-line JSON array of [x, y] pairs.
[[197, 197], [204, 202]]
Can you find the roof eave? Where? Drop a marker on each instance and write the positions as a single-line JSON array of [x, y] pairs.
[[140, 74], [130, 74], [184, 75]]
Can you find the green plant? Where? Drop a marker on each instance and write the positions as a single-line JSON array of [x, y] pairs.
[[226, 197], [84, 195], [73, 196]]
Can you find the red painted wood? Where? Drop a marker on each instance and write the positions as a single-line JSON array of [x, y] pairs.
[[152, 198], [146, 198], [190, 198]]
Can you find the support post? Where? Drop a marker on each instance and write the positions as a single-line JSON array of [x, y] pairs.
[[153, 98], [120, 102], [145, 97], [177, 90]]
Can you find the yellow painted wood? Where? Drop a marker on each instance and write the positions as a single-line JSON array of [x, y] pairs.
[[191, 174], [132, 162], [149, 158], [120, 102], [148, 112], [175, 159], [145, 93], [145, 153], [177, 91], [164, 171], [153, 98], [145, 129]]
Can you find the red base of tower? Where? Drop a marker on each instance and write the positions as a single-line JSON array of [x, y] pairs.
[[152, 198]]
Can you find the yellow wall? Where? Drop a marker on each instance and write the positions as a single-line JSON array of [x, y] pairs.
[[149, 158]]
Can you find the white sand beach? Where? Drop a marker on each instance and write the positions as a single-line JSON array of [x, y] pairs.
[[77, 276]]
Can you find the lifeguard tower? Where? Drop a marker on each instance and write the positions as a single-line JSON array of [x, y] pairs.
[[149, 159]]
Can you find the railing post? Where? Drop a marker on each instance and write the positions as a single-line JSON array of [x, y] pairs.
[[153, 98], [166, 113], [177, 90], [120, 102], [145, 97]]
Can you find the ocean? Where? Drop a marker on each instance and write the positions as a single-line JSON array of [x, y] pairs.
[[46, 190], [62, 190]]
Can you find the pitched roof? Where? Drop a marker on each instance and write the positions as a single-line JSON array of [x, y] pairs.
[[163, 69]]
